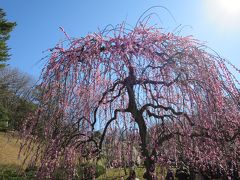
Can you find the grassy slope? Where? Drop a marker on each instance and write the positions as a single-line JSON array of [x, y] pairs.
[[9, 148]]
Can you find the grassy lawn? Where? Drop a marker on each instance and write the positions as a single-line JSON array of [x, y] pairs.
[[10, 164], [9, 148], [117, 173]]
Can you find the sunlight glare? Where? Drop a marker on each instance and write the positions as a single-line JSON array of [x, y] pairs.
[[224, 13]]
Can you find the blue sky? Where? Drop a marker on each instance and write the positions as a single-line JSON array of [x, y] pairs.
[[39, 21]]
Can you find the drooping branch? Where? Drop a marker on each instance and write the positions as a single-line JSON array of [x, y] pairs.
[[116, 111], [163, 85]]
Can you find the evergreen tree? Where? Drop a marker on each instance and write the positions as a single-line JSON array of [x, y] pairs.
[[5, 28]]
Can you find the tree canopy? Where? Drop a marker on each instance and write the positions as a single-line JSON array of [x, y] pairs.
[[167, 89]]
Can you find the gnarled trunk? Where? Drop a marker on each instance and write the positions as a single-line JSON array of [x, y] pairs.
[[149, 161]]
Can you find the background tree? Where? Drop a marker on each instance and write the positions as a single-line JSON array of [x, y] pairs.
[[15, 97], [163, 84], [5, 28]]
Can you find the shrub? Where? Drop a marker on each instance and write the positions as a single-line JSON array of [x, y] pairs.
[[88, 170], [100, 170], [31, 172], [60, 174], [11, 172]]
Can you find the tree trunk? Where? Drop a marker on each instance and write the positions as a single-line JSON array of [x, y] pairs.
[[149, 162]]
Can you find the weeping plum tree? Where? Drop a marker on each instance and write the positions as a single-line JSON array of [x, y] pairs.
[[132, 79]]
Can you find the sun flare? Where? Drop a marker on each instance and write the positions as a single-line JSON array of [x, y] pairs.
[[230, 8], [224, 13]]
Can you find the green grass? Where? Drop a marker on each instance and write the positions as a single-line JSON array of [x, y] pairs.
[[115, 174]]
